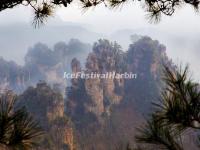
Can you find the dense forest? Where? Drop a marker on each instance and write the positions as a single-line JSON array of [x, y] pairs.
[[89, 114]]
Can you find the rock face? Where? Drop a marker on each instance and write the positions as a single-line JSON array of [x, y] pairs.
[[96, 113], [115, 105], [145, 58], [100, 93], [47, 106]]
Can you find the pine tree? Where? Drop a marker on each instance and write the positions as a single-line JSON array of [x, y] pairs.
[[18, 129], [177, 111]]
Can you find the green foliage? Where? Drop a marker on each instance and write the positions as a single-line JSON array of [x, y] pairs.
[[180, 104], [178, 110], [42, 13], [155, 134], [18, 129], [105, 51]]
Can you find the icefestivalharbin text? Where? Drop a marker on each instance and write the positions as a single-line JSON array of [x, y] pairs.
[[95, 75]]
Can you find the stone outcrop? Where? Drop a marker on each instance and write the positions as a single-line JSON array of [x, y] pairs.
[[115, 105], [47, 106]]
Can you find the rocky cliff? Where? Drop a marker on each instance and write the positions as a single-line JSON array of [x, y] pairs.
[[95, 113], [110, 108], [47, 106]]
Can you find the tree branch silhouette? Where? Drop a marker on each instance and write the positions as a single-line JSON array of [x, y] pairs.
[[154, 8]]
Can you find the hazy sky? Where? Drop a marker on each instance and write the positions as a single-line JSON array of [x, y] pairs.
[[184, 24], [103, 19], [130, 16]]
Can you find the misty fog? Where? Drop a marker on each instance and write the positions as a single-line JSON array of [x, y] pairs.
[[177, 33]]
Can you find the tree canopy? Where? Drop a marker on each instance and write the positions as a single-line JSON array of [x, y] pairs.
[[45, 8]]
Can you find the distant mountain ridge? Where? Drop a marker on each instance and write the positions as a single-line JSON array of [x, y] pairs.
[[15, 39], [42, 64]]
